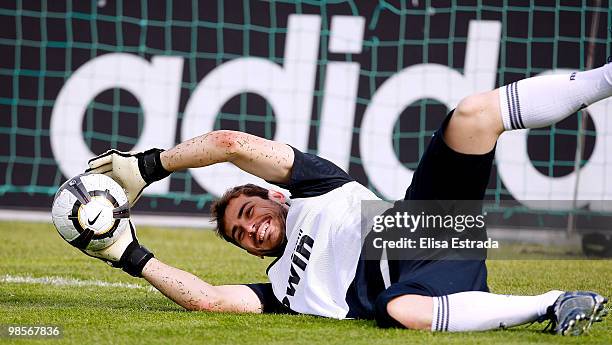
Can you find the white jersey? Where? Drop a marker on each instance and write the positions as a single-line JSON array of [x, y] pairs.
[[323, 269], [323, 247]]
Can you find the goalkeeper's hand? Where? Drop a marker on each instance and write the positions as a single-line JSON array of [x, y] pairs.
[[126, 253], [133, 171]]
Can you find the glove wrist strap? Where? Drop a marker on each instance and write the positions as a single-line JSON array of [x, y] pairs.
[[135, 258], [149, 164]]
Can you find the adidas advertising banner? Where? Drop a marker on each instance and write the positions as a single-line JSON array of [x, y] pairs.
[[359, 84]]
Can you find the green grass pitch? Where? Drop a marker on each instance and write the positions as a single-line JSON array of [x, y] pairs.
[[131, 314]]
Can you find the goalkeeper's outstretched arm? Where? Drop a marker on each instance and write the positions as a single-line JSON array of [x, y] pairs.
[[181, 287], [192, 293], [134, 171], [264, 158]]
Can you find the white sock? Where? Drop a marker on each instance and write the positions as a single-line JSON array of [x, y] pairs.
[[480, 311], [543, 100]]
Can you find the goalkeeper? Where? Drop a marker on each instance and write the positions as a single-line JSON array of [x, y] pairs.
[[315, 234]]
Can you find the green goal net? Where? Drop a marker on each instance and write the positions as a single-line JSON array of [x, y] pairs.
[[186, 66]]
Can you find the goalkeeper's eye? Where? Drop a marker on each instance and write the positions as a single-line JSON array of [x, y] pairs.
[[250, 212]]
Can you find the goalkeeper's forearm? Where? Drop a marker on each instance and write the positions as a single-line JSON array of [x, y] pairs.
[[267, 159], [192, 293], [182, 287], [207, 149]]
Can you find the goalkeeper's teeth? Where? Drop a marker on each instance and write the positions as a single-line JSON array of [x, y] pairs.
[[262, 233]]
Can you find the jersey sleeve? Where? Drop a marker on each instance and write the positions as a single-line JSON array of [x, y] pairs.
[[312, 176], [268, 301]]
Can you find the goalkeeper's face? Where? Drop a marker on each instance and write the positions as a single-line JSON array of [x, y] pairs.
[[257, 224]]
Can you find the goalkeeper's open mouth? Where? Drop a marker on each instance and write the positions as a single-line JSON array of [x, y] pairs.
[[262, 231], [269, 235]]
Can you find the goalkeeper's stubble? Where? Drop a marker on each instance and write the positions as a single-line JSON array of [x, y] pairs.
[[256, 224]]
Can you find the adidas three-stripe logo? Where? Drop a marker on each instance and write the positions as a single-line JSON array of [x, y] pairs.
[[514, 106], [442, 318]]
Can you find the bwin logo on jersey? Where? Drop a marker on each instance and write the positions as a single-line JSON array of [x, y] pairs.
[[296, 261]]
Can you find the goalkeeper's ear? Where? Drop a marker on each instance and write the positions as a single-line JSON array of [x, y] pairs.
[[277, 196]]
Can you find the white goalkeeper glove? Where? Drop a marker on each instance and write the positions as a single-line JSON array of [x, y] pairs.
[[126, 253], [132, 170]]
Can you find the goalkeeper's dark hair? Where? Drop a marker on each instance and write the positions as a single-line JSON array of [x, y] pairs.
[[217, 209]]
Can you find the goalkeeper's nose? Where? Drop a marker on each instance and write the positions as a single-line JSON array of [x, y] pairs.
[[251, 229]]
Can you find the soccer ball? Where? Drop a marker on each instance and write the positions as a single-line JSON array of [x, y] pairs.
[[90, 211]]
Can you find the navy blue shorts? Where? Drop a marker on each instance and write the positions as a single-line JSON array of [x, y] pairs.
[[442, 174]]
